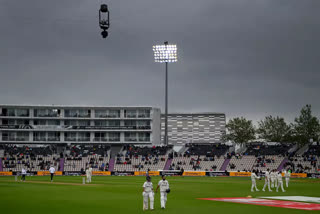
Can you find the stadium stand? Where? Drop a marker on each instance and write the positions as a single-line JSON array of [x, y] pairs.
[[32, 158], [259, 149], [308, 162], [75, 158], [135, 158]]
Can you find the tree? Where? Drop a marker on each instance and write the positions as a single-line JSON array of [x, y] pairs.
[[306, 126], [240, 130], [274, 129]]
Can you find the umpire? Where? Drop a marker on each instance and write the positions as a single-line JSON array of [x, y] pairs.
[[52, 171]]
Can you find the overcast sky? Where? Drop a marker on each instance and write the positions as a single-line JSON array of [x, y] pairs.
[[247, 58]]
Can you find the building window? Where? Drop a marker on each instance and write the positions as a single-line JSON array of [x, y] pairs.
[[100, 136], [130, 113], [39, 136], [114, 113], [70, 136], [130, 123], [54, 122], [114, 123], [40, 122], [84, 136], [84, 122], [11, 112], [70, 123], [130, 136], [144, 137], [114, 136], [53, 136], [143, 124], [40, 112], [22, 122], [100, 123], [100, 113], [144, 113], [23, 112], [77, 113]]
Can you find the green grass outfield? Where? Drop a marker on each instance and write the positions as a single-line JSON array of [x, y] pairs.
[[113, 194]]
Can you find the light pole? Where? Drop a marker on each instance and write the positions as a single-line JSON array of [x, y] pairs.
[[165, 53]]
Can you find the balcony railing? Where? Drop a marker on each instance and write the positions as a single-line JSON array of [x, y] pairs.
[[5, 138], [78, 115], [145, 139], [130, 139], [47, 115]]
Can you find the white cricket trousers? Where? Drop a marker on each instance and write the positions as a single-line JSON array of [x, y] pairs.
[[267, 183], [163, 199], [88, 178], [254, 185], [280, 183], [146, 197], [272, 182], [287, 182]]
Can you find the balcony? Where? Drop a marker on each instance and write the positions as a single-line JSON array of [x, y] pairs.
[[144, 139], [78, 115], [53, 138], [100, 139], [82, 139], [129, 139], [143, 115], [70, 139], [39, 139], [5, 138]]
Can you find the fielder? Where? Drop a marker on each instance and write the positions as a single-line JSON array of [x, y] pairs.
[[280, 183], [90, 170], [164, 190], [267, 181], [287, 175], [276, 178], [23, 174], [88, 174], [253, 179], [148, 194], [272, 178], [52, 171]]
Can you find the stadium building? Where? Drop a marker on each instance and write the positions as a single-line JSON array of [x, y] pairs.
[[79, 124], [198, 128]]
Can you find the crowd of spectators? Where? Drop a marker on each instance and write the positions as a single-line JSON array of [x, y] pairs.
[[208, 150], [264, 149]]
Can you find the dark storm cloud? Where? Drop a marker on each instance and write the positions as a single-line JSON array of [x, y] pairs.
[[245, 58]]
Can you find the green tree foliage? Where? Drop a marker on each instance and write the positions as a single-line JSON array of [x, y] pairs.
[[274, 129], [306, 126], [240, 130]]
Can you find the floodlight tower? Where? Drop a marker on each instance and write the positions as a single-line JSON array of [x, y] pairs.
[[165, 53]]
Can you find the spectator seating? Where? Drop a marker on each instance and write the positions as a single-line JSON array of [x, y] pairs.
[[195, 162]]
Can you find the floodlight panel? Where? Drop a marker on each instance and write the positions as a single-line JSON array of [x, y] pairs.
[[165, 53]]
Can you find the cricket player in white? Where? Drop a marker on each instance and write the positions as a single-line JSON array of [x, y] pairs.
[[253, 180], [90, 170], [272, 178], [280, 183], [52, 171], [287, 175], [88, 174], [164, 186], [148, 194], [23, 174], [267, 181], [276, 178]]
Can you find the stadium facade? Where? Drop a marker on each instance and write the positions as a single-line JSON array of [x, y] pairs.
[[200, 128], [79, 124]]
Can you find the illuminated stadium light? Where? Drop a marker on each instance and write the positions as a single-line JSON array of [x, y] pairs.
[[165, 53]]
